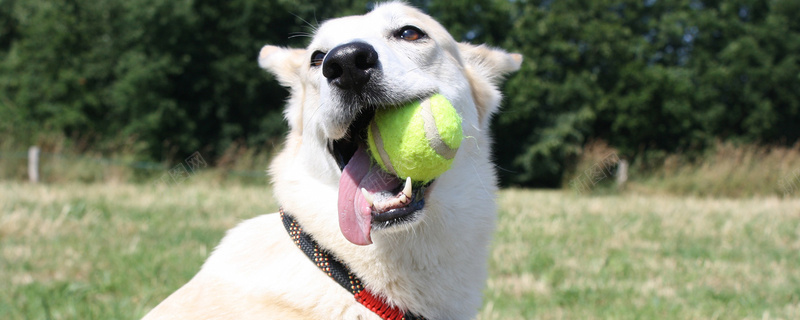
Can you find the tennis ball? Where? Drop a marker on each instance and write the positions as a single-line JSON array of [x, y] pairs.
[[417, 140]]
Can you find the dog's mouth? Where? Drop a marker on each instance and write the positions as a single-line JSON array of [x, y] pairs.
[[369, 197]]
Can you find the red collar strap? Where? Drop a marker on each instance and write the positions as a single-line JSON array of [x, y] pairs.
[[341, 274]]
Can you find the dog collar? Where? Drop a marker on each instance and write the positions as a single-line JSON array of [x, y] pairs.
[[337, 271]]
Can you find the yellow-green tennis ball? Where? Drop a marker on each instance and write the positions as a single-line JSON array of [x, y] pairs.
[[417, 140]]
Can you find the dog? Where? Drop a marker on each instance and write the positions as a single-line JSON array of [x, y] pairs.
[[325, 257]]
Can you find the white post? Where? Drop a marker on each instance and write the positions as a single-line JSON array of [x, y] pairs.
[[622, 172], [33, 164]]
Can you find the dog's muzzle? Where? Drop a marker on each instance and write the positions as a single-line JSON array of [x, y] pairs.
[[368, 196]]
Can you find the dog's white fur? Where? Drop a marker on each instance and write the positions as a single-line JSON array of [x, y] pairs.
[[434, 267]]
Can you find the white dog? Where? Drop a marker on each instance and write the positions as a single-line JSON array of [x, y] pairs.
[[423, 260]]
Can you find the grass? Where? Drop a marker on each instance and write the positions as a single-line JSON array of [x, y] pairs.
[[726, 170], [113, 251], [67, 160], [110, 251], [557, 255]]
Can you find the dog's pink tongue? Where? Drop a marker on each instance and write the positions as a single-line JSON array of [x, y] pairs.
[[355, 213]]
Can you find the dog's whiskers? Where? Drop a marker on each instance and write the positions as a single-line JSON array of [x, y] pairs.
[[477, 174], [300, 35], [313, 27], [314, 112]]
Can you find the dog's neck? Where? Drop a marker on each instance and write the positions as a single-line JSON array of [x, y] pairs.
[[438, 264], [340, 273], [423, 268]]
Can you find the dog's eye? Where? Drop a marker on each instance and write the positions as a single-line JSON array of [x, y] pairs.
[[316, 58], [410, 33]]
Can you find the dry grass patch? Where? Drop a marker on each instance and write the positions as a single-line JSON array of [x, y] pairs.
[[729, 170]]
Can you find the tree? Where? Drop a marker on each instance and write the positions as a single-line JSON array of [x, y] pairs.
[[662, 76], [180, 76]]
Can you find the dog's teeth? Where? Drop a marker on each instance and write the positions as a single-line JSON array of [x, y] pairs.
[[407, 188], [367, 196], [402, 198]]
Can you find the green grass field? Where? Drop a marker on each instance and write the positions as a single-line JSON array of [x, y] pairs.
[[113, 251]]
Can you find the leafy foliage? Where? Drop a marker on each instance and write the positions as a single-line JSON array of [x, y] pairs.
[[181, 76], [646, 76]]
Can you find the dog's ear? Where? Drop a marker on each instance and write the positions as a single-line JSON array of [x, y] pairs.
[[491, 63], [485, 67], [284, 63]]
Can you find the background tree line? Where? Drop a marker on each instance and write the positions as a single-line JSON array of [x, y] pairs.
[[649, 77]]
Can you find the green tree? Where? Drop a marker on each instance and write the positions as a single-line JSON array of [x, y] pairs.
[[180, 76], [664, 76]]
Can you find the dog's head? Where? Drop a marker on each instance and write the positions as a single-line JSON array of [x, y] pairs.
[[355, 65]]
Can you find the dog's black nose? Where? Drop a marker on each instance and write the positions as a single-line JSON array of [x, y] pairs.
[[350, 66]]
